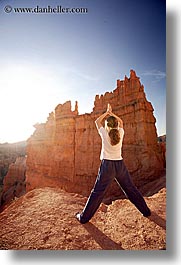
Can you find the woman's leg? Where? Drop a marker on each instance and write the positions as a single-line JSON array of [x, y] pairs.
[[105, 177], [124, 180]]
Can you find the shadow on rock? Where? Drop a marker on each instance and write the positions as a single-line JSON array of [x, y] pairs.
[[157, 220], [104, 241]]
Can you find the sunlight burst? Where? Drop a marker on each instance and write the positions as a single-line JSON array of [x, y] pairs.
[[26, 98]]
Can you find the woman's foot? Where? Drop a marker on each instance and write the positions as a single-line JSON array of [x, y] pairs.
[[78, 217], [147, 214]]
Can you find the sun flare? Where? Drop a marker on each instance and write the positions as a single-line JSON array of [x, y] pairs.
[[26, 97]]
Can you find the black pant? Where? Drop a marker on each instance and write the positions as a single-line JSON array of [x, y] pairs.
[[109, 170]]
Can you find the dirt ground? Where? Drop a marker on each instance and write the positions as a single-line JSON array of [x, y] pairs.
[[44, 219]]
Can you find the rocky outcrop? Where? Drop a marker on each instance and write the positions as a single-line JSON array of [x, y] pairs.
[[44, 219], [64, 152], [8, 155], [14, 184], [162, 145]]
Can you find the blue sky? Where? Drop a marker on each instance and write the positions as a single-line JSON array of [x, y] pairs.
[[47, 59]]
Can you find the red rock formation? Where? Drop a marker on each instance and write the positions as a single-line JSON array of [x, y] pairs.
[[14, 182], [64, 152]]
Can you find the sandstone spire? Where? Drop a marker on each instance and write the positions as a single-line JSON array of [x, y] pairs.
[[65, 151]]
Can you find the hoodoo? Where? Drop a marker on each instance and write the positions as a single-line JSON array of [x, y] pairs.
[[64, 151]]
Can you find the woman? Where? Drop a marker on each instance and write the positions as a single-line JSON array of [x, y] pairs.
[[112, 167]]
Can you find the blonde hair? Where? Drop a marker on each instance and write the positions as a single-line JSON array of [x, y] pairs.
[[112, 124]]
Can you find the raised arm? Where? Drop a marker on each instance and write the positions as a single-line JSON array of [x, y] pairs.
[[99, 120], [109, 110], [110, 113], [119, 119]]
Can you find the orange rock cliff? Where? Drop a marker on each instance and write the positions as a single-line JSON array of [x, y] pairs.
[[64, 152], [14, 183]]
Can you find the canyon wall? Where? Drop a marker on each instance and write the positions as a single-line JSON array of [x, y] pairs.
[[64, 152], [8, 155], [14, 183]]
